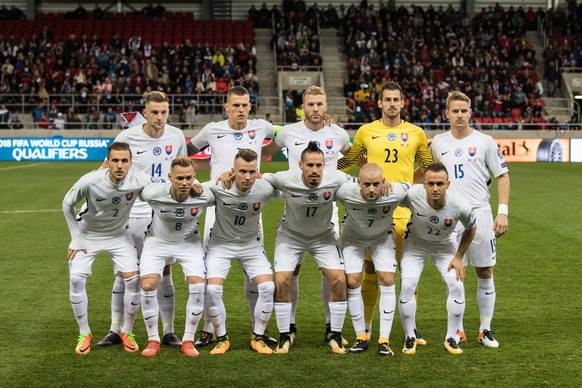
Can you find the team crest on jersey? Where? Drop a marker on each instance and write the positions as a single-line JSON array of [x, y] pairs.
[[168, 150], [404, 136], [256, 206], [313, 197], [327, 195], [157, 151], [238, 136], [129, 196], [243, 206], [386, 209], [472, 151], [372, 210], [329, 144], [193, 211], [458, 152], [252, 134], [116, 200], [179, 212], [434, 219], [391, 136]]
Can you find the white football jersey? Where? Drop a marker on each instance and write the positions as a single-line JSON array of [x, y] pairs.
[[153, 156], [108, 203], [436, 225], [225, 142], [174, 221], [366, 220], [331, 139], [468, 162], [308, 211], [238, 213]]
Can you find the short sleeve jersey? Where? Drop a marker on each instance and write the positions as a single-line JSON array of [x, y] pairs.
[[394, 149], [238, 212], [468, 162], [226, 142], [174, 221], [108, 203], [367, 220], [331, 140], [308, 211], [153, 156], [436, 225]]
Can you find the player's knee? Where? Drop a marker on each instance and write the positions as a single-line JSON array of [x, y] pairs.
[[266, 288], [77, 282], [484, 272], [386, 278], [149, 283], [352, 281], [407, 288], [456, 289], [214, 292]]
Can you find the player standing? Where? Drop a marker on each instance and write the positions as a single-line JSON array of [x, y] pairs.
[[225, 139], [470, 155], [394, 145], [154, 145], [306, 227], [235, 234], [368, 226], [173, 235], [431, 232], [331, 140], [101, 227]]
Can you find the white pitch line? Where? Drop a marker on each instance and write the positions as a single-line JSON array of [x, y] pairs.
[[15, 167], [30, 211]]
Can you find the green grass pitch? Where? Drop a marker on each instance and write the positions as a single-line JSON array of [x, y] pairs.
[[537, 317]]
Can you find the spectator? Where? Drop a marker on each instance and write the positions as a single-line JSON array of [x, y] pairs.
[[73, 119], [80, 13], [59, 122], [109, 119], [159, 12], [43, 122], [38, 112], [4, 117], [191, 114]]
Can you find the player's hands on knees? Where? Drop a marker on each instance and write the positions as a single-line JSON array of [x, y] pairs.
[[500, 225], [457, 264], [225, 178], [72, 252], [196, 190]]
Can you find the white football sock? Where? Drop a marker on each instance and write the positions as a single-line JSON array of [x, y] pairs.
[[325, 293], [252, 294], [356, 308], [264, 307], [79, 302], [283, 316], [117, 295], [337, 315], [150, 311], [216, 309], [131, 301], [194, 308], [455, 305], [166, 301], [407, 305], [387, 307], [486, 301]]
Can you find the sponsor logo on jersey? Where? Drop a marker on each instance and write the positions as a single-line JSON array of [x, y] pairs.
[[404, 136], [252, 134], [327, 195], [168, 150], [256, 206], [386, 209], [434, 219], [116, 200], [179, 212], [458, 152], [313, 197], [193, 211], [238, 136], [157, 151], [472, 151], [503, 165], [243, 206], [129, 196], [329, 144], [448, 222], [372, 210], [391, 136]]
